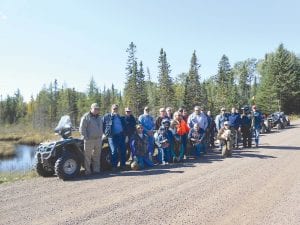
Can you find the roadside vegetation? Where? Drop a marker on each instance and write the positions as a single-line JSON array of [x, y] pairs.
[[6, 177]]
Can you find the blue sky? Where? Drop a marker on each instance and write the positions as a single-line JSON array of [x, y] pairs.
[[72, 41]]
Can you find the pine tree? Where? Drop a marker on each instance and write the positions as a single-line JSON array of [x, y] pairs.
[[141, 98], [192, 90], [224, 84], [165, 83]]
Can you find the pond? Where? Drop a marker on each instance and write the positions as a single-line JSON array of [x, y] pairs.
[[23, 161]]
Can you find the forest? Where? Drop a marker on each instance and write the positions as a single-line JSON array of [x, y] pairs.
[[272, 83]]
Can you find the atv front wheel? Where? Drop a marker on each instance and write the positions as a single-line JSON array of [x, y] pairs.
[[67, 166], [43, 171]]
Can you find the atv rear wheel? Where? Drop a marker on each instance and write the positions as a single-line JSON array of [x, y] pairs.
[[44, 172], [67, 166]]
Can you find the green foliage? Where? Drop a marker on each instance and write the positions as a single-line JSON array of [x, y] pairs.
[[192, 87], [165, 83], [273, 83], [280, 81]]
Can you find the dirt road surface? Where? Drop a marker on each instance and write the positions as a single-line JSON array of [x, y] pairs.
[[256, 186]]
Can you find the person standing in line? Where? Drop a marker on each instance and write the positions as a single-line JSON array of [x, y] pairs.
[[182, 131], [148, 124], [246, 127], [198, 117], [256, 124], [169, 113], [219, 121], [235, 123], [114, 129], [130, 123], [91, 130], [221, 118], [162, 115]]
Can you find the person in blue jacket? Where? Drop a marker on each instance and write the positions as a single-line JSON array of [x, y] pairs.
[[235, 125], [257, 120], [114, 130], [148, 124], [139, 148]]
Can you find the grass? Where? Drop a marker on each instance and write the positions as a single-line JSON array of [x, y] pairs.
[[7, 149], [294, 117], [7, 177]]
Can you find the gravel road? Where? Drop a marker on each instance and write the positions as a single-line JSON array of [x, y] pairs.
[[256, 186]]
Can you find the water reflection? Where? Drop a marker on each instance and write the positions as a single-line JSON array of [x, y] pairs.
[[23, 161]]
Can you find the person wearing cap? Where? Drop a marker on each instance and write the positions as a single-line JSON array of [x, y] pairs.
[[114, 129], [148, 124], [221, 118], [130, 123], [164, 141], [225, 137], [91, 130], [162, 115], [257, 120]]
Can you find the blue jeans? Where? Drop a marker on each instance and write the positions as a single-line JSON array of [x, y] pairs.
[[164, 154], [199, 148], [142, 160], [256, 135], [150, 145], [117, 146]]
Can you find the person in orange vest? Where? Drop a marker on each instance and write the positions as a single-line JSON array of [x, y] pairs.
[[181, 130]]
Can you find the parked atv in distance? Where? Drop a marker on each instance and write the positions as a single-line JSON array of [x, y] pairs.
[[66, 156]]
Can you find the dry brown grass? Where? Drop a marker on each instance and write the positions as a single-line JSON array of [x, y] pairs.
[[7, 149]]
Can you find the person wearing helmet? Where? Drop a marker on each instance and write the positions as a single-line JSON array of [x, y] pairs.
[[139, 148]]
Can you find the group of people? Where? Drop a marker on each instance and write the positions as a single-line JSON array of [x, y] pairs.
[[174, 135]]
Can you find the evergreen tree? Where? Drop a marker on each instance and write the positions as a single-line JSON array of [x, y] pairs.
[[192, 90], [165, 83], [280, 75], [141, 98], [224, 84]]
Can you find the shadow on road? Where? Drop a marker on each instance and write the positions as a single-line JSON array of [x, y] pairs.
[[250, 154], [296, 148]]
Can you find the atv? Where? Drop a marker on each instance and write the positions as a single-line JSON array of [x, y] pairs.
[[66, 156]]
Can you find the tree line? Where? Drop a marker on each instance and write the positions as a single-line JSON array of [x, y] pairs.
[[272, 83]]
